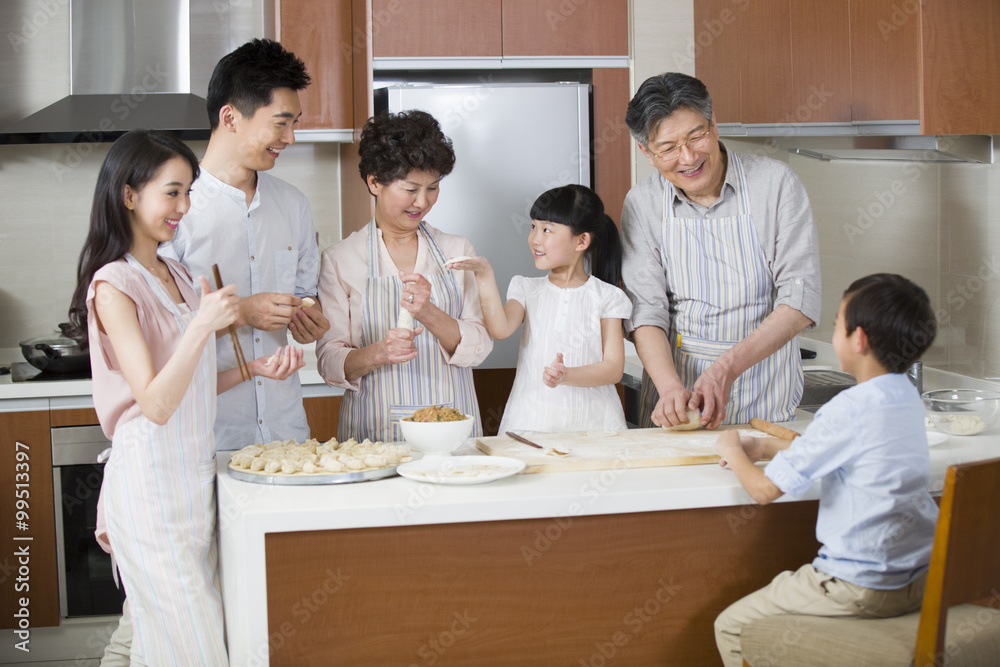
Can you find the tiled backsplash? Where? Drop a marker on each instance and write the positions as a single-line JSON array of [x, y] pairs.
[[46, 192]]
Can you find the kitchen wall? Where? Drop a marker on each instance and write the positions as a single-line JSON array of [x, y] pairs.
[[937, 224]]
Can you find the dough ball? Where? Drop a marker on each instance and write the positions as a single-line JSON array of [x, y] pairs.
[[694, 422], [404, 320]]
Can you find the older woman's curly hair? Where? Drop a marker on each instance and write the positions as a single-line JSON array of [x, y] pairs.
[[394, 144]]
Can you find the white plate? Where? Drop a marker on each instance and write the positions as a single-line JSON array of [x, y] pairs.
[[460, 469], [933, 438]]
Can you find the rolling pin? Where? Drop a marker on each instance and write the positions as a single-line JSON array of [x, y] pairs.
[[773, 429]]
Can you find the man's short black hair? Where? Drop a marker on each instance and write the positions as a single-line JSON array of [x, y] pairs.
[[247, 77], [895, 314]]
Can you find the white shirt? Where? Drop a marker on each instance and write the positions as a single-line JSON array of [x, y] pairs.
[[567, 321], [269, 246], [876, 516]]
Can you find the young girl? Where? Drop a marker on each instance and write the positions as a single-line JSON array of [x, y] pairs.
[[154, 391], [572, 350]]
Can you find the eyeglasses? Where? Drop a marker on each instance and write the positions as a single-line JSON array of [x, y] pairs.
[[696, 142]]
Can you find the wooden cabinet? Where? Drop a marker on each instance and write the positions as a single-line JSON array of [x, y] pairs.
[[436, 28], [28, 576], [499, 28], [321, 34], [323, 415], [565, 28], [840, 61]]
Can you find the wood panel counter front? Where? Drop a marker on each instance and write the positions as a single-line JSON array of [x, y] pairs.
[[586, 568]]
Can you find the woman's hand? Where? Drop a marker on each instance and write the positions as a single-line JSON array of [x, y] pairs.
[[399, 345], [416, 294], [218, 309], [555, 373], [279, 366]]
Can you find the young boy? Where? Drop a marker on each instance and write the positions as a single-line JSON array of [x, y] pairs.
[[869, 446]]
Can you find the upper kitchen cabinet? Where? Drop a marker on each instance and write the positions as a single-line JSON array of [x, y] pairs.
[[565, 28], [926, 65], [509, 32], [436, 28], [775, 61], [321, 34]]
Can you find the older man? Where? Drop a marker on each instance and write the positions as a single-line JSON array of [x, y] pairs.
[[721, 264]]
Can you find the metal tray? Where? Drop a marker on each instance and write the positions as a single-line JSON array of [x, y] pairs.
[[307, 479]]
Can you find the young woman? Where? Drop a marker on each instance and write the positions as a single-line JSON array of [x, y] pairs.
[[154, 391], [572, 350]]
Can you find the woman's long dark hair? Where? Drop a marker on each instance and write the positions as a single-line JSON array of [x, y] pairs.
[[580, 208], [133, 161]]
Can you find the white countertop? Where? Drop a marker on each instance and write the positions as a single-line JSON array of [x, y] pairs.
[[77, 393], [247, 512]]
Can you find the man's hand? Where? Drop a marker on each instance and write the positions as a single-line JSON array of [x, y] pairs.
[[671, 409], [308, 324], [267, 311], [714, 387]]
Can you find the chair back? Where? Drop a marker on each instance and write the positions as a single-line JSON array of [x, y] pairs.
[[965, 563]]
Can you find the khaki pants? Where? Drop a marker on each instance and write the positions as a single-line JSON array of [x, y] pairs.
[[809, 591]]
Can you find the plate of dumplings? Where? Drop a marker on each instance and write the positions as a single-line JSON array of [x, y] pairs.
[[286, 462]]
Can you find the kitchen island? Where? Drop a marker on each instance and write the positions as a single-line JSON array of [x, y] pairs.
[[626, 566]]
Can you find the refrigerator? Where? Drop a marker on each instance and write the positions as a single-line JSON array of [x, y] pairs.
[[513, 141]]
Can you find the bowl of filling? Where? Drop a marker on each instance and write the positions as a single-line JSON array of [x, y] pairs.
[[436, 430], [962, 411]]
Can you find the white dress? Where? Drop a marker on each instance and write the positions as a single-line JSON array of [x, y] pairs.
[[567, 321]]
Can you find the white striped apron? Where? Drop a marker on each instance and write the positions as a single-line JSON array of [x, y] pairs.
[[720, 291], [393, 391], [161, 512]]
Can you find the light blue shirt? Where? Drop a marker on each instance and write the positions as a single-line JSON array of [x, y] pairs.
[[876, 516], [269, 246]]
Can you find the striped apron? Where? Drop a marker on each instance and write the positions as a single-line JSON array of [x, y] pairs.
[[393, 391], [721, 289], [161, 513]]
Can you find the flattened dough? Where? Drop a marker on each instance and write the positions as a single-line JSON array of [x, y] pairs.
[[694, 422]]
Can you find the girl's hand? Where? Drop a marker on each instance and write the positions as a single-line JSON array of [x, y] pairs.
[[480, 266], [554, 374], [399, 347], [731, 444], [218, 309], [279, 366]]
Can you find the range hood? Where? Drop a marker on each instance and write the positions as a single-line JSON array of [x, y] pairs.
[[960, 148], [142, 64], [893, 141]]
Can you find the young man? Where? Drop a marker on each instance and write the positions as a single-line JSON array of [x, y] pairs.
[[259, 230], [869, 446]]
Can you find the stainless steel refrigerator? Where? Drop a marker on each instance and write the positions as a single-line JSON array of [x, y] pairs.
[[513, 141]]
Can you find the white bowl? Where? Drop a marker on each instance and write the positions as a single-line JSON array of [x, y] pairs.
[[436, 438], [962, 411]]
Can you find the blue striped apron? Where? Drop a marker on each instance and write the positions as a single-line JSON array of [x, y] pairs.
[[160, 501], [393, 391], [721, 289]]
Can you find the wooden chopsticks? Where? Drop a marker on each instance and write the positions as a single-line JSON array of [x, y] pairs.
[[240, 359], [523, 439]]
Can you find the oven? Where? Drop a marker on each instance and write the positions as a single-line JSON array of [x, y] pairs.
[[86, 583]]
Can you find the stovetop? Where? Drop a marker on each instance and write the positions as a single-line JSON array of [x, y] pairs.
[[22, 371]]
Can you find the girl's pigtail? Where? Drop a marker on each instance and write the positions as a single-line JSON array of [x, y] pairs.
[[605, 252]]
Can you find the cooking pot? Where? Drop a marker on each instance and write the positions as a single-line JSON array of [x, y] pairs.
[[56, 352]]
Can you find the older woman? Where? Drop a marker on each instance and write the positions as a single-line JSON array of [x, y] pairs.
[[721, 263], [396, 264]]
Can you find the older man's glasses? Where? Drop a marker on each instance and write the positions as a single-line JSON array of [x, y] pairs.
[[697, 142]]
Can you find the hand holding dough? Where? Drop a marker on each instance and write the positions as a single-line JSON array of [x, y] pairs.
[[694, 422], [404, 320]]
